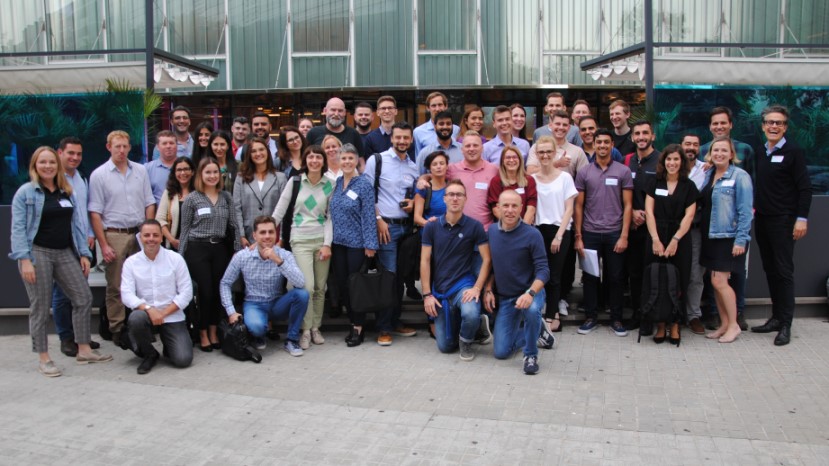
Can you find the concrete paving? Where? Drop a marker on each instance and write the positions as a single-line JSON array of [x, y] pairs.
[[599, 399]]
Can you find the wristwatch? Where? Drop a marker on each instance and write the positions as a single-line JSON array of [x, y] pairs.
[[530, 292]]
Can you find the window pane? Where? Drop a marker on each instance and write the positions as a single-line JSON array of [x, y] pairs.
[[443, 25], [450, 70], [320, 25], [320, 71], [509, 42], [20, 30], [196, 26], [257, 43], [383, 42], [74, 25]]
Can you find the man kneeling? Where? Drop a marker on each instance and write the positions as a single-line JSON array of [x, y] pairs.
[[156, 284], [262, 269], [520, 271], [453, 296]]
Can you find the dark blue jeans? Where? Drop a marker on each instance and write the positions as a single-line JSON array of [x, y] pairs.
[[463, 322], [62, 314], [388, 257], [614, 265]]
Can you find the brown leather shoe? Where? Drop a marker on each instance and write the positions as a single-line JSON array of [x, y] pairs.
[[384, 339], [696, 326]]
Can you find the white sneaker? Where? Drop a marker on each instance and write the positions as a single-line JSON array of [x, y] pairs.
[[563, 307], [305, 340], [316, 337]]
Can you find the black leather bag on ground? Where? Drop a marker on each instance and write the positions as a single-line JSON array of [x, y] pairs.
[[371, 289], [236, 341]]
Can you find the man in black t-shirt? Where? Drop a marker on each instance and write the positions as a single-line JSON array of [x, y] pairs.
[[335, 116]]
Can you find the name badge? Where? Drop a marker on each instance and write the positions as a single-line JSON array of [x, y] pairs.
[[633, 175], [661, 192], [352, 195], [203, 211], [728, 183], [776, 158], [481, 185], [519, 190], [65, 203], [611, 182]]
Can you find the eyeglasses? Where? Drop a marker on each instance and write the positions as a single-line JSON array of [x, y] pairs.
[[385, 109], [455, 195], [545, 152], [183, 170], [780, 123], [293, 139]]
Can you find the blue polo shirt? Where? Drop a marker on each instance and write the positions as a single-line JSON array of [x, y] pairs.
[[452, 249]]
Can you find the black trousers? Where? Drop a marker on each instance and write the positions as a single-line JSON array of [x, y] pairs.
[[207, 263], [635, 261], [346, 261], [774, 239]]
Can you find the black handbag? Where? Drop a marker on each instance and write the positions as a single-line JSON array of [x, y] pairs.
[[371, 289], [236, 341]]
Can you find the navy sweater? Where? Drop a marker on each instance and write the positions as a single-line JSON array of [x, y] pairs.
[[782, 185], [518, 258]]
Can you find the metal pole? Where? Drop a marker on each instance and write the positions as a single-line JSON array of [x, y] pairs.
[[148, 45], [649, 94]]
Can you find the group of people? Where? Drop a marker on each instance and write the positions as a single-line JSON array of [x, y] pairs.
[[233, 219]]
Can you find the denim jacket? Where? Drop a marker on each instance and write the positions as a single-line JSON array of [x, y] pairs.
[[731, 206], [27, 207]]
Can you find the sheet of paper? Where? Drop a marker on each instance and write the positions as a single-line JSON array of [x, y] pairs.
[[590, 262]]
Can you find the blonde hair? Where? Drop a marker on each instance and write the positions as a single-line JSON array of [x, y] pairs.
[[60, 181], [331, 136], [734, 159], [118, 134], [546, 140], [520, 176]]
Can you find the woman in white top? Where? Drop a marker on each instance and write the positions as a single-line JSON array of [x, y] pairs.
[[556, 195]]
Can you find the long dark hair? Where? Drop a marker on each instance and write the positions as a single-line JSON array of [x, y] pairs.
[[662, 172], [173, 186], [198, 152], [285, 153], [230, 157], [247, 170], [523, 132]]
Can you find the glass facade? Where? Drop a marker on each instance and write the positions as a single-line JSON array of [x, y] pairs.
[[282, 44]]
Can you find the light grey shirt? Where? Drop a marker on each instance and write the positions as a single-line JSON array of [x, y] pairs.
[[121, 200]]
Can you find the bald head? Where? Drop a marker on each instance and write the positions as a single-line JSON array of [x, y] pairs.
[[509, 202], [509, 195], [335, 114]]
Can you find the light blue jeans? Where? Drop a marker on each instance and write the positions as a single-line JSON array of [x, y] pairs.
[[464, 320], [290, 307], [509, 337]]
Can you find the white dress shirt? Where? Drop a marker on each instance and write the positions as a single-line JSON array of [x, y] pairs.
[[157, 282]]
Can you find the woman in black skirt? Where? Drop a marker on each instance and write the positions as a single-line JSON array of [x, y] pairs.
[[726, 202]]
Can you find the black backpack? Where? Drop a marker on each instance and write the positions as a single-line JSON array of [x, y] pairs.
[[660, 294], [236, 341]]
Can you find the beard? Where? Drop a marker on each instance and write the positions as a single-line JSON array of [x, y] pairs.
[[334, 121]]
